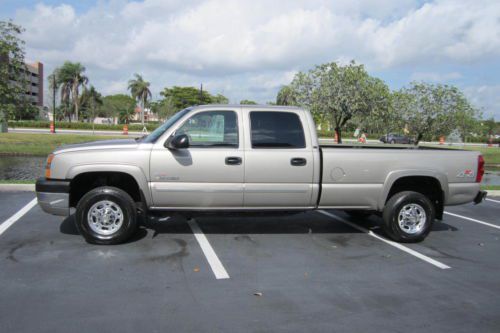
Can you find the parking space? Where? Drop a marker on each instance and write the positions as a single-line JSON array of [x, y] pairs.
[[303, 272]]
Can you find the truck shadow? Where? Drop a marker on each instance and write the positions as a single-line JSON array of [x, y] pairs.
[[301, 223]]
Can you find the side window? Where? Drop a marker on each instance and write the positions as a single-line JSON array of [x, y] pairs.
[[211, 129], [275, 129]]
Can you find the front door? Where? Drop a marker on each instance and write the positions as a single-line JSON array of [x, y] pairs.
[[208, 174]]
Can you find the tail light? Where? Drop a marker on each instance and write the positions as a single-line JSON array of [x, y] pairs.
[[48, 165], [480, 168]]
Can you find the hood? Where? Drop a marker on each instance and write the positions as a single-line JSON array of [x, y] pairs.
[[98, 145]]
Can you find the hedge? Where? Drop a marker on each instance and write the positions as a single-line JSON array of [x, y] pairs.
[[80, 125]]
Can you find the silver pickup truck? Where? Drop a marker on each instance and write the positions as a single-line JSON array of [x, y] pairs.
[[252, 158]]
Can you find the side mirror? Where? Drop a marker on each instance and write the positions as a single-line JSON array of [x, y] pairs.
[[180, 141]]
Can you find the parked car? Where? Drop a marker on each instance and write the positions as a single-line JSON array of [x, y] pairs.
[[252, 158], [396, 138]]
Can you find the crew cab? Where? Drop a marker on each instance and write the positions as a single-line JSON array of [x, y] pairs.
[[251, 158]]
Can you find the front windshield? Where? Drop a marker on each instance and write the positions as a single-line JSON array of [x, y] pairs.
[[166, 125]]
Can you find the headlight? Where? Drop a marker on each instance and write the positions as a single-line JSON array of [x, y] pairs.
[[48, 165]]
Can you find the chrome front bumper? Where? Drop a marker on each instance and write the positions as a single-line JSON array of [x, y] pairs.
[[53, 196]]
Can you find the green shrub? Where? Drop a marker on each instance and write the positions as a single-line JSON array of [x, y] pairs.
[[80, 125]]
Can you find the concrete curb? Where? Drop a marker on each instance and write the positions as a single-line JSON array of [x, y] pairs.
[[17, 187]]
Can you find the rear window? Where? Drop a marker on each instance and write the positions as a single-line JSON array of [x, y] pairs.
[[276, 130]]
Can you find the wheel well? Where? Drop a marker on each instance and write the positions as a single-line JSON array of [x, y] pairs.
[[428, 186], [85, 182]]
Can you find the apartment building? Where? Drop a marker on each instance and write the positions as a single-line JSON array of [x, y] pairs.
[[34, 88]]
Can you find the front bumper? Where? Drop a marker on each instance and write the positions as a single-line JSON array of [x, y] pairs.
[[53, 196]]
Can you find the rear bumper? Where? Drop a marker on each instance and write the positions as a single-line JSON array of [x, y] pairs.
[[53, 196], [481, 195]]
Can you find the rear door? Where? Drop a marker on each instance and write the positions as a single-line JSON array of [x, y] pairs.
[[279, 163]]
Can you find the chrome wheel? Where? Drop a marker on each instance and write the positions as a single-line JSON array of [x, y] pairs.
[[411, 218], [105, 217]]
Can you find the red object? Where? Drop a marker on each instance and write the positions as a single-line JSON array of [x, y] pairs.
[[480, 169], [125, 129], [441, 140], [52, 128]]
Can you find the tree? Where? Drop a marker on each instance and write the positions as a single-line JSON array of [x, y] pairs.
[[164, 108], [382, 116], [91, 101], [70, 77], [247, 102], [139, 90], [286, 96], [183, 97], [119, 106], [433, 110], [11, 66], [219, 99], [335, 93]]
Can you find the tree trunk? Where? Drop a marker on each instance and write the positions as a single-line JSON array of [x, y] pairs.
[[419, 137], [339, 134]]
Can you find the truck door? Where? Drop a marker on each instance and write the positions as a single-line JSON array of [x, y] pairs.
[[279, 161], [207, 174]]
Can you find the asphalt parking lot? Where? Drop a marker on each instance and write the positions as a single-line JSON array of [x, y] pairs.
[[309, 272]]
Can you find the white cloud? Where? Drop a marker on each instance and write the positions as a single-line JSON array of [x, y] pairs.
[[487, 97], [230, 41], [435, 77]]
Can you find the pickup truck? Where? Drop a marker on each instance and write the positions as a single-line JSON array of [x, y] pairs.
[[250, 158]]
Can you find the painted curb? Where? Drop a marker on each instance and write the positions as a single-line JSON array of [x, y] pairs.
[[17, 187]]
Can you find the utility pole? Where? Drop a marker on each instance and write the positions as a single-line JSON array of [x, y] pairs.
[[54, 90]]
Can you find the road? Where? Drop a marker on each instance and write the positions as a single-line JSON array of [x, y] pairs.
[[309, 272]]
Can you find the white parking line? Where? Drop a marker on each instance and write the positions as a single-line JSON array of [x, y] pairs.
[[474, 220], [13, 219], [214, 262], [396, 245], [497, 201]]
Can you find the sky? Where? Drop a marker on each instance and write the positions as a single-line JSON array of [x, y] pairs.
[[249, 49]]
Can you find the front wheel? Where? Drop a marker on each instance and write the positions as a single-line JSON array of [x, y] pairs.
[[106, 215], [408, 217]]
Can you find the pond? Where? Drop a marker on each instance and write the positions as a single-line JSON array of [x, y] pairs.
[[32, 167], [21, 167]]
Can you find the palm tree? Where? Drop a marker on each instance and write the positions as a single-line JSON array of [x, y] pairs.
[[286, 96], [139, 90], [71, 76]]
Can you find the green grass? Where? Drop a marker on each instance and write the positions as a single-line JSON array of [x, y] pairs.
[[491, 187], [42, 144], [17, 181]]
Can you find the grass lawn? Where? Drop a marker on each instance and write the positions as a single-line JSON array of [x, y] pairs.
[[42, 144]]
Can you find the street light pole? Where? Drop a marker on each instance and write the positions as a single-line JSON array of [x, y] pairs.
[[54, 90]]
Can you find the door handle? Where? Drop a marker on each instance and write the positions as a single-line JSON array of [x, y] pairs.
[[298, 161], [233, 160]]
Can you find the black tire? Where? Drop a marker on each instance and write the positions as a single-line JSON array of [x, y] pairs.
[[394, 207], [359, 214], [117, 197], [393, 142]]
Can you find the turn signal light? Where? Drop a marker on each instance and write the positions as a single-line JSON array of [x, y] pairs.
[[47, 166], [480, 168]]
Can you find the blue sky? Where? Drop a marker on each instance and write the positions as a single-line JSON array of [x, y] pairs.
[[248, 49]]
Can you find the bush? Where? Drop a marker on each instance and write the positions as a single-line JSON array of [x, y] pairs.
[[80, 125]]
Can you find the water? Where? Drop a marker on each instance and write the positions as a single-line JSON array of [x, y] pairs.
[[21, 167], [32, 167]]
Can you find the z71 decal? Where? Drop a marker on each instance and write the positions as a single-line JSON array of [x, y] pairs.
[[466, 174]]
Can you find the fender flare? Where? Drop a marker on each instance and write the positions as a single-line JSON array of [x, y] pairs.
[[393, 176], [132, 170]]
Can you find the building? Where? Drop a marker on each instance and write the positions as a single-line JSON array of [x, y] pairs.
[[34, 88]]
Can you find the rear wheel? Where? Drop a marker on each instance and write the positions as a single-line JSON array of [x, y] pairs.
[[106, 215], [393, 142], [408, 217]]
